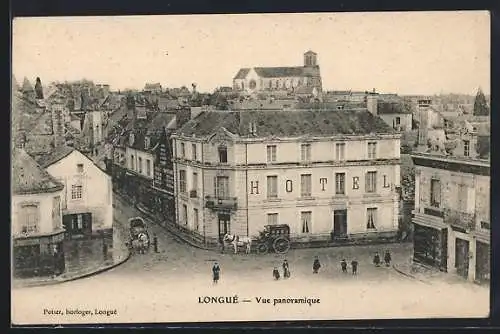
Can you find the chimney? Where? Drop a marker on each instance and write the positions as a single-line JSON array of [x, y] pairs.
[[372, 103]]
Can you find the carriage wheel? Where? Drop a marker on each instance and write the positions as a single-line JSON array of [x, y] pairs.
[[262, 248], [281, 245]]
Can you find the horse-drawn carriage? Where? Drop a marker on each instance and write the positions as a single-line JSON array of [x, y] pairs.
[[274, 237], [139, 236]]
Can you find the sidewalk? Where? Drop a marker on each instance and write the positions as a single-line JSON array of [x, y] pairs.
[[428, 275], [119, 253]]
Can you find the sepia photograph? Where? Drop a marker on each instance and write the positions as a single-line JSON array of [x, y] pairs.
[[250, 167]]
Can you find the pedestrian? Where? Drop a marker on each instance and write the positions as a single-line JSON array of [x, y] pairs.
[[216, 272], [286, 269], [376, 260], [343, 264], [316, 265], [155, 243], [387, 258], [276, 274], [354, 265]]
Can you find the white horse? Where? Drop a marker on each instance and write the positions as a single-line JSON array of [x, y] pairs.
[[237, 240], [141, 243]]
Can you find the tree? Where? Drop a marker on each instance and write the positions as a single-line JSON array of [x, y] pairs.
[[480, 106], [38, 89]]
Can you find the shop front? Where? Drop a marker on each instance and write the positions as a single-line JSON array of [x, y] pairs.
[[39, 255], [430, 246], [483, 264]]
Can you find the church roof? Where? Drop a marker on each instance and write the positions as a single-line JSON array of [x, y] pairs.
[[275, 72], [242, 73]]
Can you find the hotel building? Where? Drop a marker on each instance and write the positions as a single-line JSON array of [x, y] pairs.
[[329, 175]]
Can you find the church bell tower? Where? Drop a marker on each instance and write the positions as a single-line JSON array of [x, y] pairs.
[[310, 59]]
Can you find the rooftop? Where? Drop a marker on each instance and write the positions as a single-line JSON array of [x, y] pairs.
[[54, 156], [29, 178], [288, 123]]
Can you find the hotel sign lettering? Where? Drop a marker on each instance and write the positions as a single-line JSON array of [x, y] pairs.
[[323, 181]]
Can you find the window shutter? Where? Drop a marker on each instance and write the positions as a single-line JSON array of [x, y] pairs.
[[367, 182], [215, 186]]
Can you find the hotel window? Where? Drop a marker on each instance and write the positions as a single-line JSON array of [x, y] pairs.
[[195, 182], [132, 165], [29, 218], [182, 181], [139, 165], [305, 185], [271, 153], [272, 186], [185, 213], [79, 168], [340, 183], [272, 219], [193, 151], [222, 154], [305, 152], [196, 219], [340, 151], [435, 193], [398, 121], [183, 150], [148, 167], [222, 187], [466, 148], [305, 218], [371, 182], [76, 191], [371, 218], [372, 150]]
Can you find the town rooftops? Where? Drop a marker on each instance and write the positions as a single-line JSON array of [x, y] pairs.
[[289, 123], [29, 178], [385, 107], [54, 156]]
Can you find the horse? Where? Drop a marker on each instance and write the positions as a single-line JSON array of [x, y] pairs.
[[237, 240], [141, 243]]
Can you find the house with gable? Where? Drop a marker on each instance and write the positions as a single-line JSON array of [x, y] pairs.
[[87, 199]]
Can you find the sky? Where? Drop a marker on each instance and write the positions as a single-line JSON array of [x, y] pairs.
[[404, 53]]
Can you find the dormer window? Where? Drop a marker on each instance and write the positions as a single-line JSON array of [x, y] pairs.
[[147, 142], [131, 139]]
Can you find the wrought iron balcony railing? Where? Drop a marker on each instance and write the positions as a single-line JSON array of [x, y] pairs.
[[218, 203], [462, 220]]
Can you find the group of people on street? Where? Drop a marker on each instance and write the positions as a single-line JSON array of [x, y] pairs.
[[387, 259], [316, 266], [286, 271]]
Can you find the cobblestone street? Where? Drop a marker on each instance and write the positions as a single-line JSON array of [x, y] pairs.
[[165, 286]]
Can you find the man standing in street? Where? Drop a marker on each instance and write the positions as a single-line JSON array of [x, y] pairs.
[[343, 264], [354, 265], [155, 243], [316, 265], [216, 272]]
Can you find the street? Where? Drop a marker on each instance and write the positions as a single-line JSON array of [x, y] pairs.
[[166, 287]]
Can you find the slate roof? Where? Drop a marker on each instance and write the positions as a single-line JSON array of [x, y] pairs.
[[275, 72], [288, 123], [242, 73], [29, 178], [384, 107], [54, 156]]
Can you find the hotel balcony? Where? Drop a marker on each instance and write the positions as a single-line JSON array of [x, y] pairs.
[[219, 203], [460, 220]]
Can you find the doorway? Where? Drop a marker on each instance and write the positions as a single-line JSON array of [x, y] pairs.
[[462, 257], [224, 225], [79, 224], [339, 224]]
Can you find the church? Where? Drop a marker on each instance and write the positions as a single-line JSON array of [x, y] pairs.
[[295, 79]]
